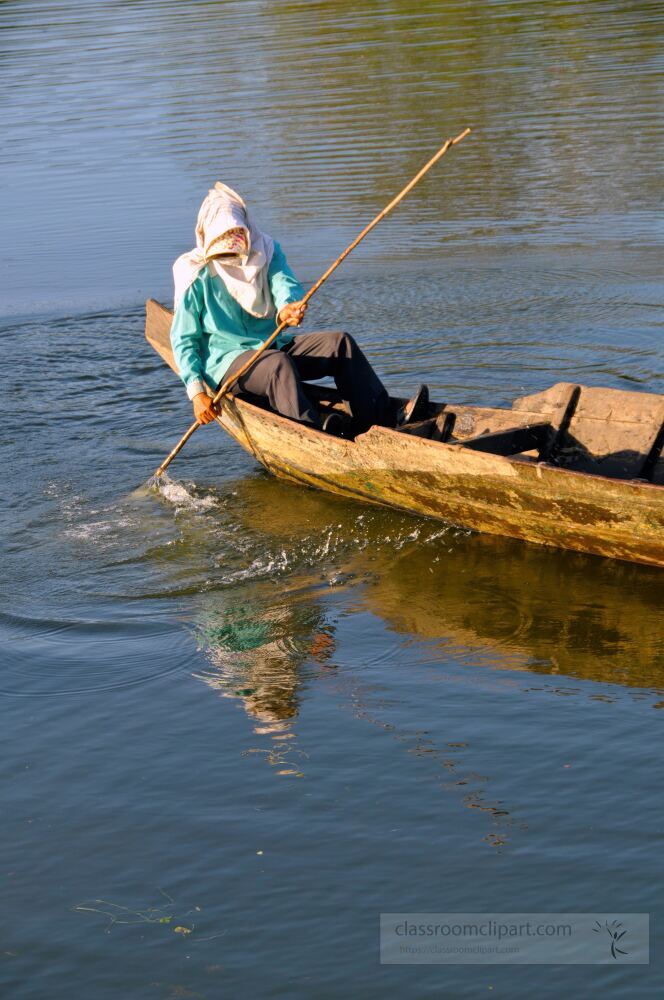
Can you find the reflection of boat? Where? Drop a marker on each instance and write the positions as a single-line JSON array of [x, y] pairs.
[[518, 607], [463, 605], [573, 467], [519, 610]]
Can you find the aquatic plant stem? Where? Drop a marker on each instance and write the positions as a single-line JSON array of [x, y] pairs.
[[224, 388]]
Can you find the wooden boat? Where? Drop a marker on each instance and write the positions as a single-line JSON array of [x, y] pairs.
[[574, 467]]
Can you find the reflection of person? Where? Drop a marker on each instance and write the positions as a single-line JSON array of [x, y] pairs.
[[229, 292], [255, 654]]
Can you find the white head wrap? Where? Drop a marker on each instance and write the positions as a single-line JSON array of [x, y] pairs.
[[246, 280]]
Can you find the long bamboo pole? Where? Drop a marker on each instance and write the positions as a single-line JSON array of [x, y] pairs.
[[273, 336]]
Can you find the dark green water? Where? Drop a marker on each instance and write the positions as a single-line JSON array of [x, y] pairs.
[[262, 714]]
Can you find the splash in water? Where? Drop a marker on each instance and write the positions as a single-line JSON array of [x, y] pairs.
[[176, 493]]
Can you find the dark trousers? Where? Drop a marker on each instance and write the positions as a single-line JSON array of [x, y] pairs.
[[278, 375]]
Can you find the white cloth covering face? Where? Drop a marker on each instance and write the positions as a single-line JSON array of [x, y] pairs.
[[246, 279]]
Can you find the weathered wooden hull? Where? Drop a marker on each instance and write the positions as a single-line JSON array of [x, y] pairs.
[[490, 493], [513, 496]]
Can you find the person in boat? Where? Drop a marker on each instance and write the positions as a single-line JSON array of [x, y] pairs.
[[230, 292]]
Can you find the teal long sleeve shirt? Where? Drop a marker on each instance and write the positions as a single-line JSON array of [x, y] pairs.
[[210, 329]]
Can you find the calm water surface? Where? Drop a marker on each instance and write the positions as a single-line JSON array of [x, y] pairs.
[[241, 719]]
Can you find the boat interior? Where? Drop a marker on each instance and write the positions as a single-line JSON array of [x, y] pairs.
[[607, 432]]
